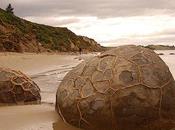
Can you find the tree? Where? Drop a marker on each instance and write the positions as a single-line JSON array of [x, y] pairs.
[[9, 9]]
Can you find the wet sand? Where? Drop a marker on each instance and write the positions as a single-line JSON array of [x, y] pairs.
[[32, 64], [47, 70], [29, 117]]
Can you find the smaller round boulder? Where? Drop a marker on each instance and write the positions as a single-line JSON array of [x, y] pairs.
[[17, 88]]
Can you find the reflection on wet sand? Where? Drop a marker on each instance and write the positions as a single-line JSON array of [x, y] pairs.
[[41, 117], [60, 125]]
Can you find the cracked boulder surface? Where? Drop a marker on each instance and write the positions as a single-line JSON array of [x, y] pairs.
[[126, 88], [17, 88]]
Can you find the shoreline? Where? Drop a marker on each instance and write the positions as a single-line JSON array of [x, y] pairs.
[[47, 70], [32, 63]]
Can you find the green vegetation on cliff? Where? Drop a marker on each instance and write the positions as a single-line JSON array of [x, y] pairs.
[[20, 35]]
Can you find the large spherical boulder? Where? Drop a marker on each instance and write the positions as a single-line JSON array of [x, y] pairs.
[[126, 88], [17, 88]]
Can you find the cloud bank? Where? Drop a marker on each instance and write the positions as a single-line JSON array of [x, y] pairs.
[[110, 22]]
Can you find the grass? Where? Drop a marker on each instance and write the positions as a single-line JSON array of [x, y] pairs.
[[54, 38]]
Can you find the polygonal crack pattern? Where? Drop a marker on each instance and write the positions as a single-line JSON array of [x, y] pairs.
[[16, 88], [117, 89]]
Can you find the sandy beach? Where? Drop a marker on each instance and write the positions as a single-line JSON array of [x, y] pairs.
[[32, 64], [47, 70]]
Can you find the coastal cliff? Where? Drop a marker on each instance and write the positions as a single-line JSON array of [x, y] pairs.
[[19, 35]]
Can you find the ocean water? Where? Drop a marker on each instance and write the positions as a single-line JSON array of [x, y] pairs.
[[44, 117], [169, 59], [49, 81]]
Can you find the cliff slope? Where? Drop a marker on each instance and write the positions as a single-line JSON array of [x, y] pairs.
[[19, 35]]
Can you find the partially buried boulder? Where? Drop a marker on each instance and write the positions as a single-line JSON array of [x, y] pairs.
[[126, 88], [17, 88]]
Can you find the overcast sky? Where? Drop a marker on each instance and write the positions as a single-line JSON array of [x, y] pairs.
[[109, 22]]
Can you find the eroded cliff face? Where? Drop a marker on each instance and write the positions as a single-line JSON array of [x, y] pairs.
[[19, 35]]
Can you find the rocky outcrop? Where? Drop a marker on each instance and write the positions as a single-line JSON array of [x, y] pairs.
[[126, 88], [17, 88]]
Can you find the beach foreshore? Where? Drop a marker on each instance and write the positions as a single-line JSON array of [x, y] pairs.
[[47, 70], [31, 63]]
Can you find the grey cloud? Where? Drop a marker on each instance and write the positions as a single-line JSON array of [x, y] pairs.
[[99, 8], [66, 22], [167, 32], [43, 10], [160, 38], [52, 21]]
